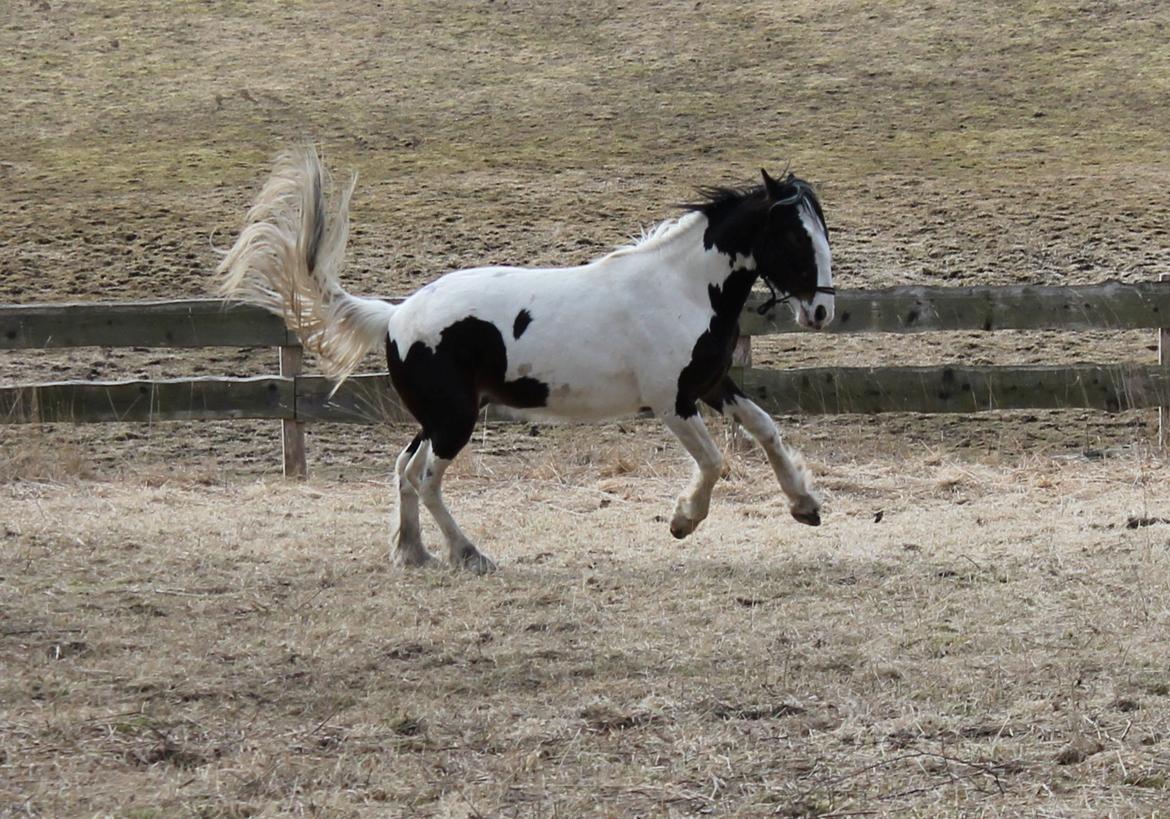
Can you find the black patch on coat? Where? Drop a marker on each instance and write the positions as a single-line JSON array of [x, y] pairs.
[[711, 355], [523, 319], [726, 392], [442, 388]]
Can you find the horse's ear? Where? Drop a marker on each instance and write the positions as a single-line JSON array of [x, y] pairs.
[[775, 189]]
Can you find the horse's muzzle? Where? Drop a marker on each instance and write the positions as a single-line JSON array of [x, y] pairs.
[[814, 315]]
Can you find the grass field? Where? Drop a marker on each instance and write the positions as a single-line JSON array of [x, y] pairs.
[[995, 643], [979, 628]]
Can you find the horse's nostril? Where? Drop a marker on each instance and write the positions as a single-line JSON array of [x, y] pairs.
[[821, 312]]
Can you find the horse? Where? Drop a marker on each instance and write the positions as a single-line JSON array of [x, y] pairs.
[[648, 327]]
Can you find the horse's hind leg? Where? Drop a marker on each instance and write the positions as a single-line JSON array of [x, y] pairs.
[[804, 504], [408, 545], [694, 503], [425, 471]]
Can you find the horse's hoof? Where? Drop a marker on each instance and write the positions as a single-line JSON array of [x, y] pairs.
[[812, 518], [411, 558], [477, 563], [682, 526]]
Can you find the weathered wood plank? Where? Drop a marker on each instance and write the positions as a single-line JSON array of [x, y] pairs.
[[952, 389], [367, 399], [187, 399], [370, 399], [361, 399], [187, 323], [209, 323], [1112, 306], [292, 431], [1164, 362]]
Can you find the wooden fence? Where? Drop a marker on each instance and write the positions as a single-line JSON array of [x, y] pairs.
[[295, 398]]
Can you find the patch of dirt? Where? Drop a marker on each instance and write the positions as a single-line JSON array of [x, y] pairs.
[[182, 646]]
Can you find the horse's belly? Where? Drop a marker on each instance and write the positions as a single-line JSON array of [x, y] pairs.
[[593, 384], [595, 375], [595, 400]]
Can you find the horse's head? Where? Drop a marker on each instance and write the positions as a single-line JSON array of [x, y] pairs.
[[792, 250]]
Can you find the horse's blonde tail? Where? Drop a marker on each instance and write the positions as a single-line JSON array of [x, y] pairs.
[[288, 259]]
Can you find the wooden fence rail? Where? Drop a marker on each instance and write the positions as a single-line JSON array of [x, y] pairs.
[[295, 398], [211, 323], [368, 399]]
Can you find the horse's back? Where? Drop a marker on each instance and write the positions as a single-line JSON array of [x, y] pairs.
[[602, 340]]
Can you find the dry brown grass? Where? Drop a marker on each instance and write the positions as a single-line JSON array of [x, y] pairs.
[[997, 643], [29, 455]]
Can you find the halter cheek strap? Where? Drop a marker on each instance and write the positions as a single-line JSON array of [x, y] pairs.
[[775, 299]]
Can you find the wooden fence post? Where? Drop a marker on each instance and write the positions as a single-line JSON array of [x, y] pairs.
[[741, 356], [1164, 360], [292, 431]]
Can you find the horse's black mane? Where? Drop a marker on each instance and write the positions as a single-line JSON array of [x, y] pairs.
[[714, 198]]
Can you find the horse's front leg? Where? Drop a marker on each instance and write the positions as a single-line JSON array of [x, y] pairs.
[[803, 501], [694, 503]]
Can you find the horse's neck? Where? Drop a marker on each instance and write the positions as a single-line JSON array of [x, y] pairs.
[[681, 257]]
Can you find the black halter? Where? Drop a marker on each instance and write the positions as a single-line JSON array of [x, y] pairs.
[[775, 299]]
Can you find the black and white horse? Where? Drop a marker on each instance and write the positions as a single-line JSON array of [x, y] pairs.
[[647, 327]]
